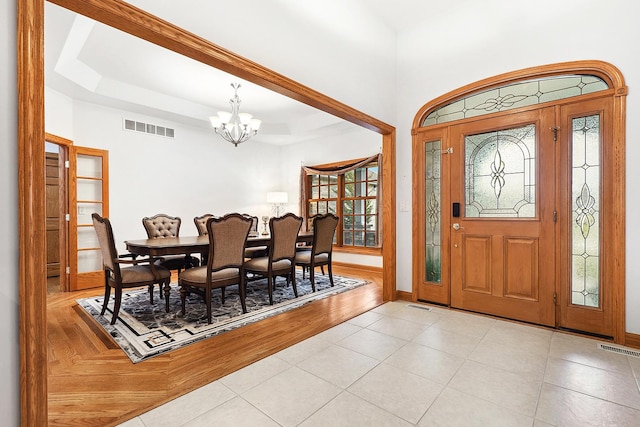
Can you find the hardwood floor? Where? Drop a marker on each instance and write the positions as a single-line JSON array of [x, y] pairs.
[[91, 382]]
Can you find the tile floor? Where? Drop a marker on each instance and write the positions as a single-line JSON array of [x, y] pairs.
[[398, 365]]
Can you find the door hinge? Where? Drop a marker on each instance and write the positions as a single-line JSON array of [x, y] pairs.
[[555, 130], [555, 216], [67, 217], [555, 298], [66, 164], [68, 270]]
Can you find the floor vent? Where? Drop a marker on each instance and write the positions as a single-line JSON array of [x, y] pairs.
[[621, 350], [421, 307], [148, 128]]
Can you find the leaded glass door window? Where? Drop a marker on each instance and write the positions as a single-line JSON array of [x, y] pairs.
[[500, 173], [585, 212], [433, 222]]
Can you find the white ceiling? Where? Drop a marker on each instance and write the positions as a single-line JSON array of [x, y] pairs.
[[89, 61]]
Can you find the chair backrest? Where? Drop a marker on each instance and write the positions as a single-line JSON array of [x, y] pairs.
[[324, 228], [284, 234], [161, 225], [254, 223], [201, 223], [107, 243], [227, 239]]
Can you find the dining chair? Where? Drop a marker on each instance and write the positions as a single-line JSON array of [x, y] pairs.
[[254, 251], [142, 272], [282, 251], [162, 226], [227, 239], [201, 223], [324, 229], [201, 226]]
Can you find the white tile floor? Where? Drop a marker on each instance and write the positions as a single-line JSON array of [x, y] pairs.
[[398, 365]]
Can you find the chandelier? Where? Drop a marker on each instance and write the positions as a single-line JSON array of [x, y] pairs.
[[235, 127]]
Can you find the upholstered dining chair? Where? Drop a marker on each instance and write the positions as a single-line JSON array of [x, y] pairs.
[[161, 226], [324, 229], [201, 223], [254, 251], [142, 272], [282, 252], [201, 226], [227, 239]]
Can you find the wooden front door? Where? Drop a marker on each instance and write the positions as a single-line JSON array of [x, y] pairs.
[[502, 216]]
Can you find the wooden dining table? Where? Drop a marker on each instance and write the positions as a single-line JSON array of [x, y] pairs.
[[185, 245]]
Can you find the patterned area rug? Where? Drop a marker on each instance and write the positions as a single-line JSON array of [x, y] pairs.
[[144, 330]]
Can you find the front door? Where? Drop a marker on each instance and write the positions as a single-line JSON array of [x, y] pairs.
[[502, 216]]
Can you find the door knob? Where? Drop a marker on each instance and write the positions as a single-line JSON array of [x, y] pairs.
[[456, 226]]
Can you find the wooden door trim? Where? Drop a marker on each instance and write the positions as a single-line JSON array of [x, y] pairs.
[[79, 281], [618, 91], [31, 201]]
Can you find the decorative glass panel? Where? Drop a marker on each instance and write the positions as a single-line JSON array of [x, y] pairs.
[[87, 238], [432, 214], [516, 95], [89, 189], [89, 166], [89, 260], [500, 174], [585, 233], [85, 210]]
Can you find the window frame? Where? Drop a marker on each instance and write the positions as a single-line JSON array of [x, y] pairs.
[[341, 197]]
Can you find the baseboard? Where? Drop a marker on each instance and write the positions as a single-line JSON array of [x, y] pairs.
[[404, 296], [358, 266], [632, 340]]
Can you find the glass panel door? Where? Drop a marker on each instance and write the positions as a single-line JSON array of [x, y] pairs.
[[88, 172]]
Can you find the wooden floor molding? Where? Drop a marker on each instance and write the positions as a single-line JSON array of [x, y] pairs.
[[91, 382]]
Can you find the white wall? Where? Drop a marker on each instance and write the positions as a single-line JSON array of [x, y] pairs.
[[58, 113], [9, 352], [491, 37], [196, 172]]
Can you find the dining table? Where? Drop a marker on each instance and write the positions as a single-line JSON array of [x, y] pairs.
[[186, 245]]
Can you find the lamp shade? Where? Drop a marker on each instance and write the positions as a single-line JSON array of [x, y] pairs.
[[277, 197]]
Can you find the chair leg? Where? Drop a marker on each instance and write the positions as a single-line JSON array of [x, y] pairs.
[[292, 274], [167, 290], [151, 293], [116, 306], [322, 269], [330, 274], [222, 296], [183, 298], [312, 277], [107, 294], [242, 289], [207, 298], [270, 286]]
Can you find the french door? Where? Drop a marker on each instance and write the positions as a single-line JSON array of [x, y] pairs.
[[89, 192], [512, 215]]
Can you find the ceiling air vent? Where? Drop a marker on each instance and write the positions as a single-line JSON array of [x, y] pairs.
[[135, 126]]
